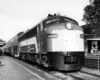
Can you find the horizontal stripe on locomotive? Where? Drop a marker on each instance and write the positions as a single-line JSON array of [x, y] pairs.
[[28, 48], [66, 53], [23, 49]]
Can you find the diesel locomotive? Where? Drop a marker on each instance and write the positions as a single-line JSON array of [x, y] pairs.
[[56, 41]]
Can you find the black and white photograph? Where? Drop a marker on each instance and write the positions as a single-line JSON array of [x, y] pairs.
[[49, 39]]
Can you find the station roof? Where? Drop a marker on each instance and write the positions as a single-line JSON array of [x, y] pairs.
[[91, 37], [2, 41], [94, 39]]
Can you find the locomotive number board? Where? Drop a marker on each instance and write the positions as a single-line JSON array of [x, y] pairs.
[[70, 59]]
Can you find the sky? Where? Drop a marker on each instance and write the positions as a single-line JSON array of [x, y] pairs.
[[20, 15]]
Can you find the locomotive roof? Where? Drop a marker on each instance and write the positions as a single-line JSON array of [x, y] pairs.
[[50, 17]]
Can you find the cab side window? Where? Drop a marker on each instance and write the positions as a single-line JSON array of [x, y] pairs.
[[40, 27]]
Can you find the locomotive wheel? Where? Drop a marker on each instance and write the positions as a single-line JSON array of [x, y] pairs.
[[45, 62], [37, 59], [24, 57]]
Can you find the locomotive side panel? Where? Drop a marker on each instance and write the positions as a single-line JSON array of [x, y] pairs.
[[23, 48], [28, 45], [32, 45]]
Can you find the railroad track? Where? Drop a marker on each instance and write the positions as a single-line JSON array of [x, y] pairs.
[[85, 76], [80, 75], [90, 74], [64, 76]]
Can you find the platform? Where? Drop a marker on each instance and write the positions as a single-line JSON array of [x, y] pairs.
[[14, 69], [92, 61]]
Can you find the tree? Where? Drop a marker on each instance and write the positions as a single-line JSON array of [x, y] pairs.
[[92, 16], [87, 29]]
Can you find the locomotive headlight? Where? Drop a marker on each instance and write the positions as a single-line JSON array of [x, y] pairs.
[[68, 26]]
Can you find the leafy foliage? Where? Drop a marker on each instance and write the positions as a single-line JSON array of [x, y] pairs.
[[88, 29], [92, 17]]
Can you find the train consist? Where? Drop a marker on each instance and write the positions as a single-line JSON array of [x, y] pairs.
[[56, 41]]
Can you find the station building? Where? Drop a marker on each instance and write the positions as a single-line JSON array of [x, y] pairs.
[[2, 43], [92, 44]]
